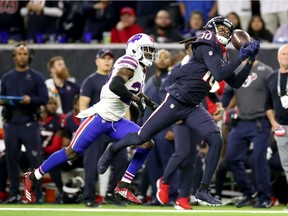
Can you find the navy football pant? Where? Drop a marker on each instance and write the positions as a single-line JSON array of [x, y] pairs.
[[157, 161], [185, 141], [197, 118]]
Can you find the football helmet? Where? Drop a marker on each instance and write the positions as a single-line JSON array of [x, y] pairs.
[[143, 47], [220, 20]]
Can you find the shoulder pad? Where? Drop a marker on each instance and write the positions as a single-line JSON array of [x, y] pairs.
[[128, 61], [207, 37]]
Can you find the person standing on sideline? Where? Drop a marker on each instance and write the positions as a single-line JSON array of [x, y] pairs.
[[21, 117], [124, 86], [277, 106], [208, 63], [252, 127], [89, 95]]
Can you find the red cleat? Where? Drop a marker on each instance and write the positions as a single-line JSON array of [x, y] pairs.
[[123, 191], [162, 191], [182, 203], [28, 196]]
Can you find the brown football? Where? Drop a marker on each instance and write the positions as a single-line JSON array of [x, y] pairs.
[[239, 37]]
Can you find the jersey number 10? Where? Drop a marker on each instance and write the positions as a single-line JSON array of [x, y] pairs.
[[208, 78]]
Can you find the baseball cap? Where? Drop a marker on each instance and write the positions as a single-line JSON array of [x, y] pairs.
[[102, 52], [127, 10]]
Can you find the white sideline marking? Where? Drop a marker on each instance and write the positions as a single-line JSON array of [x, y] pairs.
[[144, 210]]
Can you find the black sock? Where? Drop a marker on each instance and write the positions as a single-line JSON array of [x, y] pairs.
[[32, 177]]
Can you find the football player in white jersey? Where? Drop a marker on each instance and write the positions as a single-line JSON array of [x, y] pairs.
[[123, 87]]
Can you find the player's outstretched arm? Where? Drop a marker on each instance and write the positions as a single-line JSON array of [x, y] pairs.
[[237, 80], [151, 104]]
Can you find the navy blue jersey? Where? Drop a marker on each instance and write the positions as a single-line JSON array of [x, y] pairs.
[[67, 93], [92, 86], [48, 129], [208, 63], [29, 83], [71, 125]]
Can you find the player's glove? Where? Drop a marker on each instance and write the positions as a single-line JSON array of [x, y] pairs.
[[140, 104], [245, 51], [151, 104], [255, 45]]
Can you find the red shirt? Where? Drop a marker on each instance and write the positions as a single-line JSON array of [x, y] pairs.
[[123, 35]]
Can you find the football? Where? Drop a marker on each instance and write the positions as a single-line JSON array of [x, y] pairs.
[[240, 37]]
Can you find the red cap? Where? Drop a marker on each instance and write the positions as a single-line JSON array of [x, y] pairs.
[[127, 10]]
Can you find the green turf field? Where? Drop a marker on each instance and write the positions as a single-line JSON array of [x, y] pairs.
[[109, 210]]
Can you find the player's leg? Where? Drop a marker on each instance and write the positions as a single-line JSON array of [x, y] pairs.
[[87, 132], [186, 176], [123, 188], [200, 120], [163, 117]]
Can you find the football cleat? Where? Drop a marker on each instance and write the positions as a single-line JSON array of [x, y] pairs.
[[123, 190], [204, 197], [182, 203], [162, 193], [29, 195]]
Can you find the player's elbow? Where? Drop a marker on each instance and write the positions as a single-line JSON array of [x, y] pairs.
[[116, 84]]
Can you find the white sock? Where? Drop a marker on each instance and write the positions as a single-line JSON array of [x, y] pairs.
[[37, 174]]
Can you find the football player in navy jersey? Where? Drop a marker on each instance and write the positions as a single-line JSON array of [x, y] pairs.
[[194, 80]]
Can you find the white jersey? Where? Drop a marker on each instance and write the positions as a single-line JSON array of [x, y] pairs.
[[111, 107]]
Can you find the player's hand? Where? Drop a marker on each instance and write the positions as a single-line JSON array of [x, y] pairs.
[[245, 51], [152, 105], [140, 104], [255, 46]]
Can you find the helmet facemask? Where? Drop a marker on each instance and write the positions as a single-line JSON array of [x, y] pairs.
[[218, 24], [223, 34], [149, 54]]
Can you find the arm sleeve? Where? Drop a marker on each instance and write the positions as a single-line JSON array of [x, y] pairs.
[[214, 63], [117, 87], [237, 80], [227, 96]]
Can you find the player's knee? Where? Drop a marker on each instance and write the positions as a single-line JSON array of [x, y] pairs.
[[135, 139], [71, 154]]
